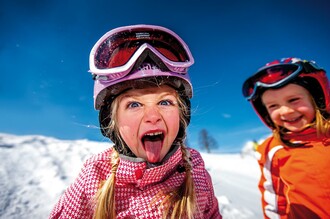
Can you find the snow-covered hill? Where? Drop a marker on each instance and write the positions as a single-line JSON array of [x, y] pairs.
[[35, 170]]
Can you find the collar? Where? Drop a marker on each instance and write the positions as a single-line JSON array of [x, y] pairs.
[[141, 173], [307, 135]]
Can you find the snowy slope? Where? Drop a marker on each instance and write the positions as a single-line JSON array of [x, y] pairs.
[[35, 170]]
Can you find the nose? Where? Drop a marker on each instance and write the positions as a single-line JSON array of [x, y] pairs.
[[286, 110], [152, 115]]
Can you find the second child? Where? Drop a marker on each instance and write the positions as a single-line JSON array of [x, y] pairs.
[[291, 96]]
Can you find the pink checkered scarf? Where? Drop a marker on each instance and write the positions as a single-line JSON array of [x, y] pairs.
[[136, 186]]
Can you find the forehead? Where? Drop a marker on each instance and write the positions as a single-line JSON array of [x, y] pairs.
[[287, 90], [163, 89]]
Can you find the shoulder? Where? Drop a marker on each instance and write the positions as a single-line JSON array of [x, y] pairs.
[[267, 149], [98, 165], [269, 144], [266, 143], [202, 177], [101, 157], [198, 164], [196, 157], [75, 201]]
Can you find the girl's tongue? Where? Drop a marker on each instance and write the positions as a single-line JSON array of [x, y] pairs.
[[153, 146]]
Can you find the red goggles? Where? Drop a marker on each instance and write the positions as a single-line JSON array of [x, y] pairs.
[[277, 75], [115, 54]]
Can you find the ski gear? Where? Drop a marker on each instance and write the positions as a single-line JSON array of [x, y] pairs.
[[281, 72], [294, 181], [116, 53], [277, 74], [138, 56], [136, 187]]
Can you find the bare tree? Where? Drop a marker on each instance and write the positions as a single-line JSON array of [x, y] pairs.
[[206, 141]]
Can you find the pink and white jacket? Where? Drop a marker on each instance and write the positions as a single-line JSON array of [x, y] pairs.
[[136, 185]]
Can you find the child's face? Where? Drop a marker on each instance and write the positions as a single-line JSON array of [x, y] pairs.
[[290, 107], [148, 121]]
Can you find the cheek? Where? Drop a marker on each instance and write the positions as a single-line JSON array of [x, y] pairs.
[[274, 115], [173, 122], [309, 113], [129, 137], [127, 130]]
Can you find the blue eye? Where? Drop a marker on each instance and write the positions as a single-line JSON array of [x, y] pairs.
[[165, 102], [133, 104]]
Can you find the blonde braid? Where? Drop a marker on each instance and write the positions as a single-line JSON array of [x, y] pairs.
[[105, 197], [181, 203], [322, 125], [188, 202]]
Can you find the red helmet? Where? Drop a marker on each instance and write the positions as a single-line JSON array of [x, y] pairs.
[[281, 72]]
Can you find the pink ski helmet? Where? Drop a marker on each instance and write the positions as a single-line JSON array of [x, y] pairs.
[[131, 56], [281, 72], [116, 53]]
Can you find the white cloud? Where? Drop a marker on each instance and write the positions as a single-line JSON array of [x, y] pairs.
[[226, 116]]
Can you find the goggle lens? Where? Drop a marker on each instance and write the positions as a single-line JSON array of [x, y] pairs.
[[270, 77], [275, 74], [117, 49]]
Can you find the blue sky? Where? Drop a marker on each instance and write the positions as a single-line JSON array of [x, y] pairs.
[[45, 87]]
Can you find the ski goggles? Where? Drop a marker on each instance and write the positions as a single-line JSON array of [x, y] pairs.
[[277, 75], [115, 54]]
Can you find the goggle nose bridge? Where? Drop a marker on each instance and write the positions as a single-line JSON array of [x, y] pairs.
[[147, 53]]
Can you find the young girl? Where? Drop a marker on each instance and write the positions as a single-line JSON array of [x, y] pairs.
[[143, 92], [292, 97]]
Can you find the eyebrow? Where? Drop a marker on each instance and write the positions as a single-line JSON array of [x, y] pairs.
[[165, 93]]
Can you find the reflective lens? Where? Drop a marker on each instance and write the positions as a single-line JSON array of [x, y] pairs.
[[117, 49], [276, 75]]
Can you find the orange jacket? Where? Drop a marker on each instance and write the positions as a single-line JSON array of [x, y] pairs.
[[295, 181]]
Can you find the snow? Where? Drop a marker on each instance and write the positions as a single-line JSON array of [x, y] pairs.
[[35, 170]]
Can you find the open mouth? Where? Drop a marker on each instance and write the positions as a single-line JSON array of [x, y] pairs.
[[293, 120], [153, 144], [153, 137]]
